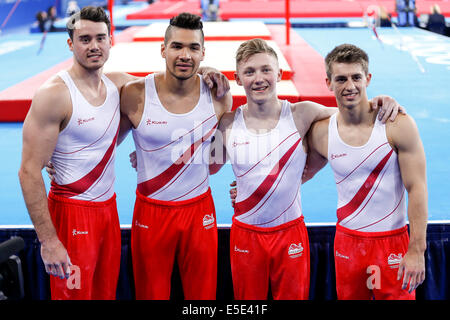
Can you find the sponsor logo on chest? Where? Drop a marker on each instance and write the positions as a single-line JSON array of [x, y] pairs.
[[151, 122], [84, 121], [338, 155], [240, 143]]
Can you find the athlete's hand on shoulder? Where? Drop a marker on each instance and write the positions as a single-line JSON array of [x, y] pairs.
[[214, 77], [233, 193], [133, 160], [389, 107], [56, 260], [412, 267]]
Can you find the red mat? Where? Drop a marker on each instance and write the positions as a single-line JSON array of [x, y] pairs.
[[15, 101], [276, 8], [316, 8], [308, 65], [166, 10], [213, 31]]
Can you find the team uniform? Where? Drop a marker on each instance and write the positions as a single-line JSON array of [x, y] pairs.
[[174, 215], [82, 200], [269, 240], [371, 233]]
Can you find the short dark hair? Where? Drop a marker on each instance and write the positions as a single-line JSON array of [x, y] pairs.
[[95, 14], [185, 20], [346, 53]]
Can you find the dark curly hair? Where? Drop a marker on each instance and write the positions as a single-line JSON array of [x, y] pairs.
[[95, 14]]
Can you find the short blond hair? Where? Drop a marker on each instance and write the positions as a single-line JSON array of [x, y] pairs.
[[252, 47], [435, 8]]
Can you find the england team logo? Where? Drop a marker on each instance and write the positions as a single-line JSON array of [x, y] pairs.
[[295, 250], [208, 221], [394, 260]]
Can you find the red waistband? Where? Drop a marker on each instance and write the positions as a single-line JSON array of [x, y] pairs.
[[164, 203], [283, 226], [362, 234], [78, 202]]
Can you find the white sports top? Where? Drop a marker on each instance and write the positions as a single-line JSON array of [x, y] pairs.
[[371, 194], [85, 151], [172, 150], [268, 169]]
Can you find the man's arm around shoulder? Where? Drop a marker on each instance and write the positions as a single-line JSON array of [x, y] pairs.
[[222, 104], [120, 79], [132, 96], [219, 156], [317, 149], [305, 113]]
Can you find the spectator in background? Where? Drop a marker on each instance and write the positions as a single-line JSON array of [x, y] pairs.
[[52, 16], [436, 20], [385, 17], [46, 19], [41, 18], [406, 12], [210, 10]]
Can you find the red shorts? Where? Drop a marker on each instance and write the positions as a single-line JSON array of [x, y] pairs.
[[367, 264], [279, 255], [90, 232], [163, 231]]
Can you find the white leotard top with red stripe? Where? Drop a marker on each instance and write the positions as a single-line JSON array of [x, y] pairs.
[[268, 168], [85, 151], [172, 150], [371, 194]]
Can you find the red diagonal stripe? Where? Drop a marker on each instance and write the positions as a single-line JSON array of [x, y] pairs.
[[285, 139], [84, 183], [390, 213], [148, 187], [363, 191], [277, 217], [338, 182], [249, 203]]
